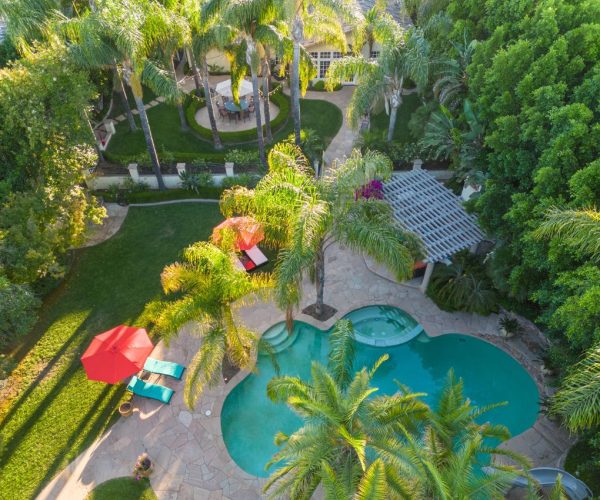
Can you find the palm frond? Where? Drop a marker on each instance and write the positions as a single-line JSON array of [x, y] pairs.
[[341, 353], [578, 399], [579, 228]]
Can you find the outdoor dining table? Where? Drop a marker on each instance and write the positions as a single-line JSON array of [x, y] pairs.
[[234, 108]]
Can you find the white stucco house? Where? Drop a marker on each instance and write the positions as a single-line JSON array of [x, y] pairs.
[[323, 54]]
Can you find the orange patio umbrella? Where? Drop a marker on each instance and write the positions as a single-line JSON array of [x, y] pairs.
[[117, 354], [248, 231]]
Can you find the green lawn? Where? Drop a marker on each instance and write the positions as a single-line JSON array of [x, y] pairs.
[[51, 412], [322, 116], [123, 488], [381, 121]]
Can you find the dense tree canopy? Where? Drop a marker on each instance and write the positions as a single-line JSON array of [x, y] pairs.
[[44, 148], [534, 83]]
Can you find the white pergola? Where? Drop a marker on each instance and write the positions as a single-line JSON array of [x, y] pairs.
[[424, 206]]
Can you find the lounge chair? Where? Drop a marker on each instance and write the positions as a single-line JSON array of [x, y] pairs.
[[152, 391], [257, 256], [164, 368]]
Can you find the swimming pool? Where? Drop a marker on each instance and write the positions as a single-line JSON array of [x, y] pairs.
[[249, 420]]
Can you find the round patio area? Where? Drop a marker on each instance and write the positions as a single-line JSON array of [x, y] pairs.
[[224, 124]]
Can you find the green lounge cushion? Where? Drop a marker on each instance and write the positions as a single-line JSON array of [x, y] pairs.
[[152, 391], [164, 367]]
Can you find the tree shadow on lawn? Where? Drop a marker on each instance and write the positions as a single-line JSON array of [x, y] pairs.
[[111, 284]]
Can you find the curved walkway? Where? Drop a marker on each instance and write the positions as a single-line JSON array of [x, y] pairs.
[[187, 446]]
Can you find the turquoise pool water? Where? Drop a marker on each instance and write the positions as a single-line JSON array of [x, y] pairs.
[[249, 421]]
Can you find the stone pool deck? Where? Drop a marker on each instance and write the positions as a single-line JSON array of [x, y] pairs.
[[191, 461]]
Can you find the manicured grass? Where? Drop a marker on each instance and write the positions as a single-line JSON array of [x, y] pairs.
[[381, 121], [322, 116], [123, 488], [50, 412]]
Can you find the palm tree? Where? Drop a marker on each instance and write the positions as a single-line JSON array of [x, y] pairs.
[[29, 21], [580, 228], [578, 399], [304, 215], [254, 23], [123, 32], [447, 454], [207, 35], [451, 83], [343, 425], [361, 445], [207, 287], [171, 32], [313, 19], [404, 55]]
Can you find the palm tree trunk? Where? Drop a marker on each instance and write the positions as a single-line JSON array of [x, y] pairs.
[[297, 36], [192, 62], [266, 90], [320, 280], [179, 104], [392, 124], [209, 106], [118, 85], [395, 102], [253, 63], [136, 89]]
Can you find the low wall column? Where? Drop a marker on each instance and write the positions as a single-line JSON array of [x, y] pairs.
[[134, 172], [229, 169], [427, 277], [180, 171], [417, 164]]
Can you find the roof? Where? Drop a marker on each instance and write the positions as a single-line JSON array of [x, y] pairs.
[[427, 208]]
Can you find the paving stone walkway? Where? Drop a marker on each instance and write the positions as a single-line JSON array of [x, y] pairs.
[[187, 446], [97, 233]]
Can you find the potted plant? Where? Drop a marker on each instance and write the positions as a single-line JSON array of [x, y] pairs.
[[510, 326], [143, 467], [126, 408]]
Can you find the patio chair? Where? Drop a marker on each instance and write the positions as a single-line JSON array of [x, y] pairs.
[[232, 115], [251, 108], [246, 114], [222, 112], [151, 391], [256, 256], [161, 367]]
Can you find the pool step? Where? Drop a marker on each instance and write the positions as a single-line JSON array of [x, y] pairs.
[[279, 338]]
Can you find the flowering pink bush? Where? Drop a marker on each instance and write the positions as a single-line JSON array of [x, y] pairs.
[[372, 190]]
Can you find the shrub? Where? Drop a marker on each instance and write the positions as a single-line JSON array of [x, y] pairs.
[[319, 86], [463, 286], [7, 365], [210, 192], [194, 182], [130, 186], [243, 157], [245, 180], [18, 306]]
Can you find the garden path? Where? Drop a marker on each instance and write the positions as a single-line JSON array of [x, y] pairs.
[[187, 448], [97, 233]]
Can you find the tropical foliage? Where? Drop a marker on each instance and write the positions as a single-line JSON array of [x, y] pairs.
[[207, 288], [44, 145], [303, 215], [357, 444], [463, 286], [404, 55]]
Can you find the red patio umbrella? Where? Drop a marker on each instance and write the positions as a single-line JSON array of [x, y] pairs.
[[117, 354], [248, 231]]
